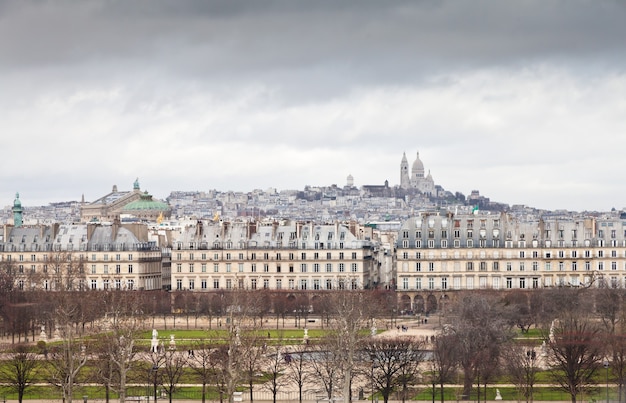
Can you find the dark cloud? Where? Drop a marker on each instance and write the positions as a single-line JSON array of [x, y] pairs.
[[360, 40]]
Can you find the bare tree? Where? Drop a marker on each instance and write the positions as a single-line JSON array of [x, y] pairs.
[[281, 307], [157, 362], [610, 307], [274, 367], [444, 360], [202, 363], [480, 328], [19, 370], [225, 376], [575, 351], [390, 358], [617, 345], [296, 369], [326, 368], [103, 369], [521, 366], [250, 357], [350, 317], [236, 354], [123, 323], [488, 366], [69, 356], [519, 311], [174, 363]]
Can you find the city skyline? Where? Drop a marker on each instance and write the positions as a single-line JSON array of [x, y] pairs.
[[520, 100]]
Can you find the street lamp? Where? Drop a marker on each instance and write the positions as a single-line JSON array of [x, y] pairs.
[[531, 355], [154, 370], [373, 358], [372, 378], [606, 367]]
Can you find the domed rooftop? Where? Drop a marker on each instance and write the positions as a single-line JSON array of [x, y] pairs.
[[146, 203], [418, 166]]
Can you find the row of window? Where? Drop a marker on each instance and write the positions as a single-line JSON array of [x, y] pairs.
[[302, 284], [266, 244], [280, 236], [496, 243], [547, 233], [45, 257], [117, 269], [457, 224], [520, 266], [106, 284], [548, 254], [265, 268], [443, 283], [266, 256]]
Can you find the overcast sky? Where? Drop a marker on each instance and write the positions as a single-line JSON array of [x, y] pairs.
[[522, 100]]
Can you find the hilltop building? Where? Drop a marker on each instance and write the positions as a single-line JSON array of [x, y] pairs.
[[416, 180], [125, 204]]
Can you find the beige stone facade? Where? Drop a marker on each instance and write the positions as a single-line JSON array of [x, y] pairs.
[[438, 254], [277, 256], [81, 256]]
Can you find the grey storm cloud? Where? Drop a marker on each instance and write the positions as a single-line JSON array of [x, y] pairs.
[[359, 40]]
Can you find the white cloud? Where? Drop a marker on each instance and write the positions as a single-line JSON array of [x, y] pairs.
[[256, 100]]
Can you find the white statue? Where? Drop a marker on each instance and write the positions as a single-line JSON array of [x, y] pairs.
[[172, 342], [498, 395], [154, 343], [552, 325], [43, 336]]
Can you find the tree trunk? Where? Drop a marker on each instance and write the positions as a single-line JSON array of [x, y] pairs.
[[346, 385], [468, 382]]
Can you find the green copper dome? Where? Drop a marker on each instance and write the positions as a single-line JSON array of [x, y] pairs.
[[146, 203]]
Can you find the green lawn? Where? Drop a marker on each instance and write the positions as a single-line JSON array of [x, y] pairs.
[[510, 393], [223, 333]]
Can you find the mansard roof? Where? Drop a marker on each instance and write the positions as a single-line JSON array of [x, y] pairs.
[[70, 237]]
